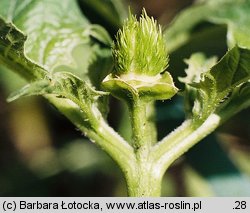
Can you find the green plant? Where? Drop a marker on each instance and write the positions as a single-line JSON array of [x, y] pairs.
[[68, 61]]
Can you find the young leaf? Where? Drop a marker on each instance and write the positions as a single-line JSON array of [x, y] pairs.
[[197, 64], [213, 87]]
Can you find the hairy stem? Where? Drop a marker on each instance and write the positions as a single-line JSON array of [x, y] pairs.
[[142, 182], [143, 125], [182, 139], [100, 133]]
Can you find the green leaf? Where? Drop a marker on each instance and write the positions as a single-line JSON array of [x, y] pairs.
[[53, 36], [99, 33], [52, 27], [242, 96], [213, 86], [63, 85], [239, 100], [36, 88], [232, 13], [56, 31], [108, 12], [180, 31], [235, 14], [12, 52], [60, 39], [197, 64]]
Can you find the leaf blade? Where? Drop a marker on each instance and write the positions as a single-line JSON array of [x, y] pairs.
[[214, 86], [233, 14], [12, 52]]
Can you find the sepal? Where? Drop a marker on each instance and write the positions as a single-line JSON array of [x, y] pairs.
[[146, 88]]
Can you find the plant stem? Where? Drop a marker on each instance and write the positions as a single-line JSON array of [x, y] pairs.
[[151, 126], [142, 182], [143, 127], [138, 123], [182, 139], [100, 133]]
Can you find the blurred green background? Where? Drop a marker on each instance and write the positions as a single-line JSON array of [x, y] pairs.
[[42, 154]]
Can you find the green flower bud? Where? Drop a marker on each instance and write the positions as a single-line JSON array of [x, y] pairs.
[[140, 47], [141, 59]]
